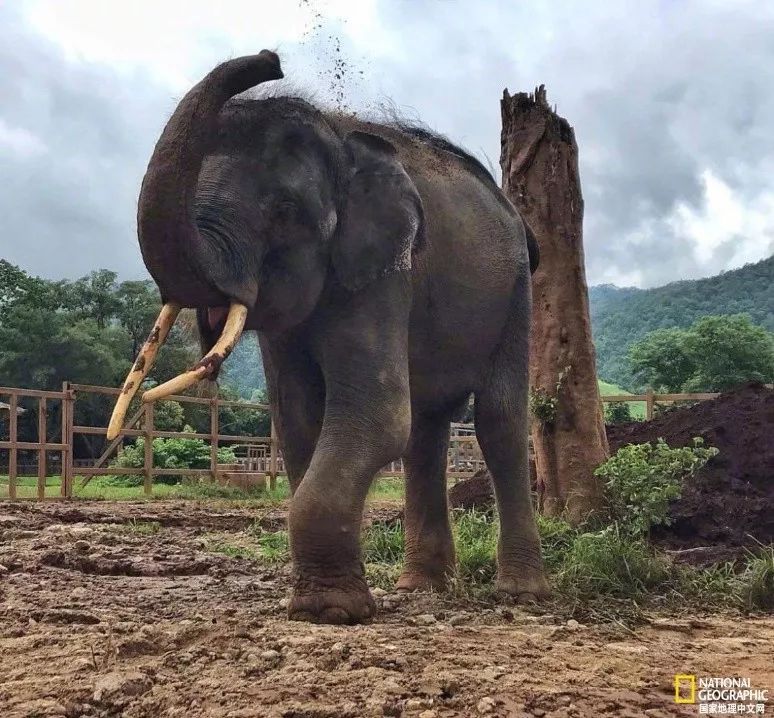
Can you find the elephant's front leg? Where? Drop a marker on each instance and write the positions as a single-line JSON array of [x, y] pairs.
[[366, 425], [360, 434]]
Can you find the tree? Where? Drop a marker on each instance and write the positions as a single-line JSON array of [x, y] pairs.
[[539, 159], [714, 354], [138, 306], [662, 359], [623, 316], [94, 296]]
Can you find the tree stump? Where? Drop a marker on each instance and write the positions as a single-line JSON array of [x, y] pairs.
[[539, 160]]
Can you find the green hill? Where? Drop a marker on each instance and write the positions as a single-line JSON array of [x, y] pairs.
[[622, 316]]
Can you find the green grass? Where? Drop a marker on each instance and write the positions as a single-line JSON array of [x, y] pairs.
[[107, 488], [387, 488], [637, 408], [606, 573], [758, 591], [142, 528]]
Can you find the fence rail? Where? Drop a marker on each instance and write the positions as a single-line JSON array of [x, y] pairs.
[[651, 399], [264, 455]]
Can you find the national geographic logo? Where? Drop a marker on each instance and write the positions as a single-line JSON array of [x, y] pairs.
[[685, 688], [721, 695]]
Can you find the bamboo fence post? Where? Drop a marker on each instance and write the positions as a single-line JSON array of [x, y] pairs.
[[148, 458], [214, 429], [273, 446], [13, 437], [42, 412], [68, 400]]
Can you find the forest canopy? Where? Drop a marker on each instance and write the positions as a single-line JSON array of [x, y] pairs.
[[621, 317], [88, 331]]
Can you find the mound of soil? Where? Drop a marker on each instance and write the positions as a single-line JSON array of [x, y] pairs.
[[730, 502], [472, 493]]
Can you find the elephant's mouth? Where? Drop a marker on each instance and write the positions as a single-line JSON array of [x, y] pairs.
[[216, 319], [226, 324]]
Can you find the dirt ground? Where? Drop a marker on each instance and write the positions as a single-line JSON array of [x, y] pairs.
[[99, 619]]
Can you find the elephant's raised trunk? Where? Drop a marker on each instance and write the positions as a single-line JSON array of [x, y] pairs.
[[172, 247]]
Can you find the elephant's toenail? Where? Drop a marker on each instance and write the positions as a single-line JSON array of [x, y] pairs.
[[303, 616], [335, 615]]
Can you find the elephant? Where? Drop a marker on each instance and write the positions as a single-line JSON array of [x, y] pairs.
[[388, 279]]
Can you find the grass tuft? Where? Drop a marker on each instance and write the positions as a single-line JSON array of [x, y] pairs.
[[610, 562], [142, 528], [758, 580], [384, 543], [475, 538]]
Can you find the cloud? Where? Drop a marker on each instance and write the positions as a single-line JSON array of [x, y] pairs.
[[671, 104]]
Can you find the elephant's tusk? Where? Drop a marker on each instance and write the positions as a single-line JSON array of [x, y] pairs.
[[142, 366], [235, 322]]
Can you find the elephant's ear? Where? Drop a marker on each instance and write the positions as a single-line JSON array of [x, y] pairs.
[[381, 217]]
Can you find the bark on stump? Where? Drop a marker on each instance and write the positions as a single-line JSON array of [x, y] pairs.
[[539, 160]]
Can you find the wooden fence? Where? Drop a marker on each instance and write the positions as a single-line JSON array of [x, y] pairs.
[[267, 461], [263, 452], [651, 399]]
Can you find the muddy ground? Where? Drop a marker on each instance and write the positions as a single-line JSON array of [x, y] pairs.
[[100, 619]]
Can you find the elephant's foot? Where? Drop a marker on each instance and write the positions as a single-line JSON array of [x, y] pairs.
[[529, 586], [429, 563], [412, 579], [337, 600]]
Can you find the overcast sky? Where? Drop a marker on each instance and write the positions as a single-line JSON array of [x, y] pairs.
[[672, 103]]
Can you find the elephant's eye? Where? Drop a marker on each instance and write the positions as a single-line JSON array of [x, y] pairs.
[[285, 209]]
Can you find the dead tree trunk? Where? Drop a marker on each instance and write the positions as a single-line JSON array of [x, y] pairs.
[[539, 160]]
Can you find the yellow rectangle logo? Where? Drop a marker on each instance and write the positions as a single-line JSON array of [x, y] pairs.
[[685, 688]]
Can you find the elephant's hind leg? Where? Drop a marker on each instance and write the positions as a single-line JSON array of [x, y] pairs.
[[502, 429], [429, 546]]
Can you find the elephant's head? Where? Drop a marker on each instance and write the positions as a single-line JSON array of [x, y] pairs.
[[246, 214]]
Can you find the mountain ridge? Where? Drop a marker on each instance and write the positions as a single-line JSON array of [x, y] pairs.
[[621, 316]]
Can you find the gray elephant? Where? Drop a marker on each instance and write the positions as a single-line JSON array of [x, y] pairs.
[[388, 279]]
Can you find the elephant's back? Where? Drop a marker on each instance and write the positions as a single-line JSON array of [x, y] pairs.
[[473, 259]]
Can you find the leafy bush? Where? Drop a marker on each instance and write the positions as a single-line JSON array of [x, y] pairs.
[[168, 454], [641, 480], [618, 412]]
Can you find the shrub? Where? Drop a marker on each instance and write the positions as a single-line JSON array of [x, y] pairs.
[[618, 412], [168, 454], [641, 480]]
